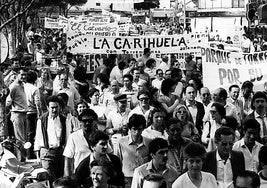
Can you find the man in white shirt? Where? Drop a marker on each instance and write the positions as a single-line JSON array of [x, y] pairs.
[[158, 81], [249, 146], [50, 139]]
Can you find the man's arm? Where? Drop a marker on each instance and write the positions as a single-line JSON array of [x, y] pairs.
[[68, 166]]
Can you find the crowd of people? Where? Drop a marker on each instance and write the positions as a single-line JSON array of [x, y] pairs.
[[136, 123]]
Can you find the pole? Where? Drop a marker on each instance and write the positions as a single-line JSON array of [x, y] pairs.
[[184, 15]]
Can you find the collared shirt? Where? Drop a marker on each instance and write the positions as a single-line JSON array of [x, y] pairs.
[[157, 83], [116, 119], [17, 97], [138, 110], [77, 147], [54, 130], [192, 109], [259, 119], [131, 155], [152, 134], [246, 105], [169, 175], [251, 159], [224, 170]]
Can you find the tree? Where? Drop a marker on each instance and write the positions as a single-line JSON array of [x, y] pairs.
[[147, 4], [14, 14]]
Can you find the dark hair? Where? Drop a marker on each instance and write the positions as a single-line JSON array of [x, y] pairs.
[[157, 144], [167, 85], [220, 108], [82, 102], [157, 71], [247, 84], [223, 131], [172, 121], [104, 79], [96, 136], [151, 114], [106, 165], [66, 182], [194, 150], [143, 92], [146, 50], [92, 91], [53, 98], [257, 95], [88, 112], [175, 72], [251, 124], [233, 86], [231, 122], [64, 97], [136, 120], [222, 93], [262, 155], [129, 76], [251, 174], [31, 77], [121, 65], [150, 62], [191, 87]]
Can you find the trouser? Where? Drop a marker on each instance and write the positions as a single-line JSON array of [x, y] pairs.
[[19, 124], [52, 161], [31, 130]]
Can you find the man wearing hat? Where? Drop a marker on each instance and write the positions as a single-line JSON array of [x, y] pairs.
[[117, 118]]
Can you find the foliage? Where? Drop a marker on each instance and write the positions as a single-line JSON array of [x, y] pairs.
[[147, 4]]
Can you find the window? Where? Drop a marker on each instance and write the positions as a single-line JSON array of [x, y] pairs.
[[238, 3]]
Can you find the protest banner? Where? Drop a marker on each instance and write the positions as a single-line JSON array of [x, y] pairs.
[[51, 23], [223, 68], [86, 43]]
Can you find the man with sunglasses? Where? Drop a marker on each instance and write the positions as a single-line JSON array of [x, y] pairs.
[[224, 163], [158, 150], [77, 147]]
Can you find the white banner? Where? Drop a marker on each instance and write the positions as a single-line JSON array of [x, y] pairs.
[[224, 68], [51, 23], [86, 43]]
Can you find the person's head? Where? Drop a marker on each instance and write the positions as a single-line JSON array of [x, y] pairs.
[[247, 179], [220, 95], [22, 76], [156, 119], [88, 120], [69, 57], [136, 74], [143, 97], [151, 63], [147, 52], [53, 106], [189, 58], [174, 129], [45, 74], [262, 157], [132, 62], [31, 77], [194, 155], [217, 112], [141, 85], [165, 59], [247, 89], [181, 112], [99, 142], [228, 38], [154, 93], [234, 91], [136, 125], [94, 96], [102, 80], [230, 121], [64, 182], [205, 95], [127, 80], [101, 171], [121, 101], [190, 93], [251, 129], [159, 73], [224, 140], [63, 78], [81, 106], [158, 150], [115, 88], [141, 66], [64, 99], [168, 73], [168, 86], [176, 74], [15, 64], [259, 102]]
